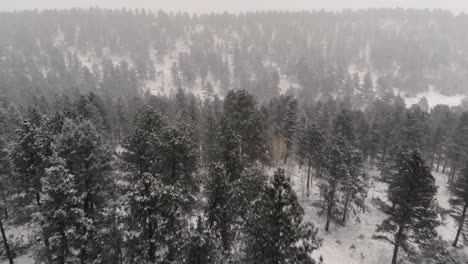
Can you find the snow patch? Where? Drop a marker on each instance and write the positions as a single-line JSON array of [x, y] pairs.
[[434, 98]]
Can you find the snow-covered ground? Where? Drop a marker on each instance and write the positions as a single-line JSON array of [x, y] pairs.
[[353, 243], [434, 98]]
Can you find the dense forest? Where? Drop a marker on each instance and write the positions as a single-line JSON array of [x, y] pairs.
[[138, 137]]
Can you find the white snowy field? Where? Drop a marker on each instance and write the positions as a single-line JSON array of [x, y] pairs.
[[353, 243], [434, 98]]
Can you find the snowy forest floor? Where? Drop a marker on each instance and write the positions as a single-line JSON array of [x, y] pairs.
[[353, 243], [350, 244]]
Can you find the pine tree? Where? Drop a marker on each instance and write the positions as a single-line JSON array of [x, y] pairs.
[[240, 111], [274, 230], [336, 171], [203, 247], [160, 165], [383, 86], [176, 79], [367, 89], [412, 217], [218, 192], [209, 131], [459, 201], [311, 149], [436, 252], [60, 215], [424, 104], [29, 157], [122, 119], [5, 192], [458, 149], [355, 186], [155, 222], [179, 156], [289, 123], [87, 158]]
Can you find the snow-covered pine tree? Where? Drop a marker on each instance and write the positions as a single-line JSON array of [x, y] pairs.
[[354, 183], [412, 215], [60, 216], [28, 160], [5, 201], [87, 157], [367, 90], [220, 215], [287, 118], [179, 156], [459, 201], [311, 150], [203, 247], [246, 121], [209, 130], [355, 186], [437, 251], [274, 232], [336, 172], [155, 222], [160, 162], [458, 149]]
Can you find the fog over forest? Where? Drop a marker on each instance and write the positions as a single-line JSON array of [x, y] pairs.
[[299, 132], [455, 6]]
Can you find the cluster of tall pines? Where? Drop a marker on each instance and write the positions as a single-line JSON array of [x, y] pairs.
[[185, 181], [107, 156], [121, 52]]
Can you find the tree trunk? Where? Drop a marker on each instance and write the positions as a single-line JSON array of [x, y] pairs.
[[331, 198], [5, 243], [460, 228], [433, 159], [308, 180], [384, 153], [445, 166], [45, 237], [453, 170], [345, 213], [397, 245], [439, 157], [395, 254]]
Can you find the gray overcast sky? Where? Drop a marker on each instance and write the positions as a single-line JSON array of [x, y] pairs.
[[236, 5]]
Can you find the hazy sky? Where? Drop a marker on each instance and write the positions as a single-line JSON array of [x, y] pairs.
[[236, 5]]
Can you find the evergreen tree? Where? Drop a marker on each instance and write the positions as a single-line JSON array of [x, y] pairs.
[[311, 149], [436, 252], [160, 163], [274, 230], [336, 172], [240, 111], [219, 213], [355, 186], [5, 201], [29, 158], [60, 216], [203, 247], [367, 89], [289, 108], [459, 201], [412, 217], [383, 86], [86, 157], [155, 222], [458, 149]]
